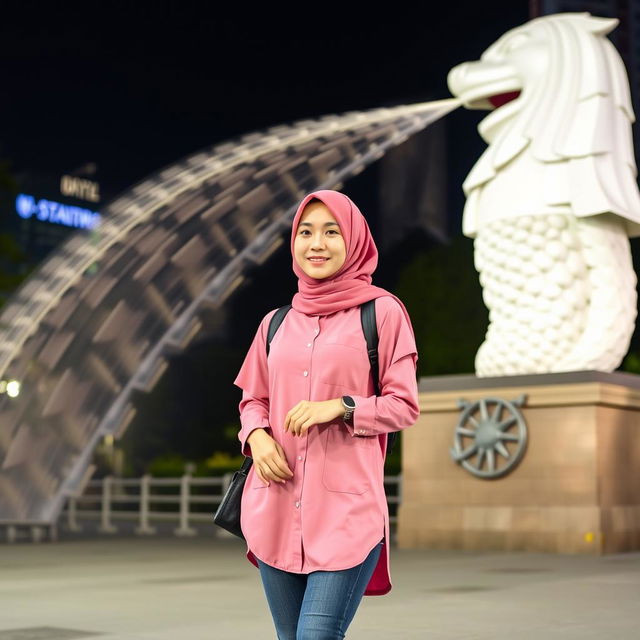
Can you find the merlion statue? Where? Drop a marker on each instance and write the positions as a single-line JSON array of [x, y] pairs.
[[552, 201]]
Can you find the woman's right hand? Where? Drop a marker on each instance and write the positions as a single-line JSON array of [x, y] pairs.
[[268, 456]]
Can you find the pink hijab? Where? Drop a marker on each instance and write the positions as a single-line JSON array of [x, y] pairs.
[[351, 285]]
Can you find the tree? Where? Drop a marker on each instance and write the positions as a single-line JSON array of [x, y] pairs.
[[15, 264]]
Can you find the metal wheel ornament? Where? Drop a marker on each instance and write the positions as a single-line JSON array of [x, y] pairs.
[[482, 432]]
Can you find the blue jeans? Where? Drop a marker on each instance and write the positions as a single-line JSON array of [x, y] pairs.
[[319, 605]]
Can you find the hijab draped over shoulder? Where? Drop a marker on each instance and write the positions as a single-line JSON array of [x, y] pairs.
[[350, 286]]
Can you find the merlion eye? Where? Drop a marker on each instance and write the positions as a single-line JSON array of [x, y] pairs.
[[516, 42]]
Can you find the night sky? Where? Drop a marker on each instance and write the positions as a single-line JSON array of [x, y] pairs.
[[137, 86]]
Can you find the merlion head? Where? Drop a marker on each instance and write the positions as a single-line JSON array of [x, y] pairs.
[[557, 87]]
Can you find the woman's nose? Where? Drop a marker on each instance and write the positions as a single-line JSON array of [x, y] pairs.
[[317, 241]]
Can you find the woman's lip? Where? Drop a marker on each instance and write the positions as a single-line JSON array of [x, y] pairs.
[[317, 259]]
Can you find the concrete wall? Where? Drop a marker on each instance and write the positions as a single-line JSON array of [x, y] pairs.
[[576, 490]]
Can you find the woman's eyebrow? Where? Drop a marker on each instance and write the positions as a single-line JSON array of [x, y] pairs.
[[326, 224]]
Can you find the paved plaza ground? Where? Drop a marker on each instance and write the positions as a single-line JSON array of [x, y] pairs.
[[203, 588]]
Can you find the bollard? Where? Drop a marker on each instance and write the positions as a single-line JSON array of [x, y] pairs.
[[36, 533], [72, 522], [105, 521], [144, 528], [184, 529]]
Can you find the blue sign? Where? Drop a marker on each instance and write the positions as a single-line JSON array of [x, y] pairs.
[[56, 212]]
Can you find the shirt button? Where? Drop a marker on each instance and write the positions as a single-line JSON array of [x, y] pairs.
[[305, 373], [361, 431], [297, 505], [308, 345], [299, 457], [316, 331]]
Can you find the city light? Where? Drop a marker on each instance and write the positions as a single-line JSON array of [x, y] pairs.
[[55, 212], [10, 387]]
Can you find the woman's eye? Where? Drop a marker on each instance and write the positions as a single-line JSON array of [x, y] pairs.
[[305, 231]]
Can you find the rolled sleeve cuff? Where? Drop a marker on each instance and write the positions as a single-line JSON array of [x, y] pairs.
[[363, 420], [245, 433]]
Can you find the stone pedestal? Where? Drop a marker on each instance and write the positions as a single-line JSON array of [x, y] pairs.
[[575, 490]]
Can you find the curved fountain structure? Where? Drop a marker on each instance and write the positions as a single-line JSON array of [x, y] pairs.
[[102, 315]]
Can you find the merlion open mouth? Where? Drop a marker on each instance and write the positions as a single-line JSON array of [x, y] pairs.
[[502, 98], [484, 85]]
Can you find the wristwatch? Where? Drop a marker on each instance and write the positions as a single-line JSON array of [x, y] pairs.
[[349, 405]]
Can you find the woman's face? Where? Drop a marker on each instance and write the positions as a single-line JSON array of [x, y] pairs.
[[319, 234]]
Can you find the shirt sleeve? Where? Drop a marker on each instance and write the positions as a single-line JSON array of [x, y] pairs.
[[397, 405], [253, 379]]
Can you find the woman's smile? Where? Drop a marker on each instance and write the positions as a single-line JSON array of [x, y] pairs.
[[318, 233]]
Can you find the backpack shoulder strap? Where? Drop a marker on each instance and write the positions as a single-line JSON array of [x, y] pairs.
[[275, 322], [370, 329]]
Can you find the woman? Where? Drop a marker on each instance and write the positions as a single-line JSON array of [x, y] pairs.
[[314, 511]]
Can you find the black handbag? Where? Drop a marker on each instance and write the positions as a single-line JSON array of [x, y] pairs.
[[227, 515]]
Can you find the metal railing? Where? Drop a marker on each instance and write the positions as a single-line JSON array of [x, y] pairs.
[[185, 500], [103, 497]]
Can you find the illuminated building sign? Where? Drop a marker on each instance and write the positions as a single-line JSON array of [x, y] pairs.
[[80, 188], [55, 212]]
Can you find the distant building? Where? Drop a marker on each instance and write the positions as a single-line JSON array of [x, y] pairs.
[[50, 206]]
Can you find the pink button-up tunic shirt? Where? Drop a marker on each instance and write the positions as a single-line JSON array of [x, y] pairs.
[[333, 511]]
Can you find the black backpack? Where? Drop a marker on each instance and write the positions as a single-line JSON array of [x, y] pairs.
[[370, 329]]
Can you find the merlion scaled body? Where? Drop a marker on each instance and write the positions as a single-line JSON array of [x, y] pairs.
[[553, 200]]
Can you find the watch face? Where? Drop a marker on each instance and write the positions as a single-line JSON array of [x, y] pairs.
[[349, 402]]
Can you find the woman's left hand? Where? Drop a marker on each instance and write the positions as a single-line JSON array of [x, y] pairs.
[[307, 413]]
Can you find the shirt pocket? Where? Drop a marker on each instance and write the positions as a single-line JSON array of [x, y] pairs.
[[254, 481], [348, 460], [346, 365]]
